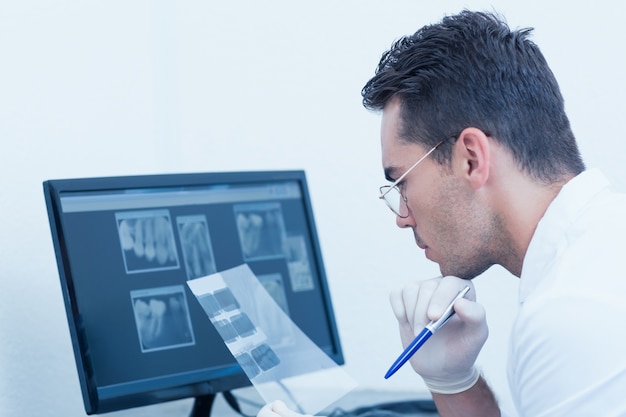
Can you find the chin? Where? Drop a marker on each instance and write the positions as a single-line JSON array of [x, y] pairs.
[[467, 273]]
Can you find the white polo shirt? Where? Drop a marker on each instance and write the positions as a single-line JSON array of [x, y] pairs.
[[568, 342]]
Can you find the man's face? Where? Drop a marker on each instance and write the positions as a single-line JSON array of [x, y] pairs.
[[446, 216]]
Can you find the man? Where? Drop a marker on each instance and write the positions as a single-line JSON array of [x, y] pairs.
[[485, 170]]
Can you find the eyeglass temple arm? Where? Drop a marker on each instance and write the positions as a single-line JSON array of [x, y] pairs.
[[396, 182]]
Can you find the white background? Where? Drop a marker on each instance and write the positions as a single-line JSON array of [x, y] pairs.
[[99, 88]]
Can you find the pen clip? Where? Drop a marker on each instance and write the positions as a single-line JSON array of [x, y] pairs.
[[449, 311]]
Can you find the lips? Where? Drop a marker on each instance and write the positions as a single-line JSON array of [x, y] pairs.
[[427, 254], [419, 242]]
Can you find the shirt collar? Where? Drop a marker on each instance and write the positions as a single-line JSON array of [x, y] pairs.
[[552, 229]]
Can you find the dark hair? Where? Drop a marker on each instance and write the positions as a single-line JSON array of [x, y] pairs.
[[471, 70]]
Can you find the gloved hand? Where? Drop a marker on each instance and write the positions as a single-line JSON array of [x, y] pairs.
[[446, 360], [278, 409]]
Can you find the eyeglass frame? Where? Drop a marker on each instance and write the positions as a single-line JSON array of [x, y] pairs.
[[400, 178]]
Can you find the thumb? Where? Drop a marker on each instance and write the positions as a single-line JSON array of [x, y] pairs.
[[469, 311], [473, 316], [281, 409], [267, 411]]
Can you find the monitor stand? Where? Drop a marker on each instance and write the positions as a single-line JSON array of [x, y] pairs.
[[202, 405]]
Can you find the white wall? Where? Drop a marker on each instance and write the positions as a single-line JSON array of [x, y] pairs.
[[97, 88]]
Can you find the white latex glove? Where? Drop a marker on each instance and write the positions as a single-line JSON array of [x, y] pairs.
[[446, 360], [278, 409]]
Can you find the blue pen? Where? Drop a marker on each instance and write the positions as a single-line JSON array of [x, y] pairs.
[[425, 334]]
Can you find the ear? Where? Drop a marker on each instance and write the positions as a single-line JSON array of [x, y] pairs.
[[471, 157]]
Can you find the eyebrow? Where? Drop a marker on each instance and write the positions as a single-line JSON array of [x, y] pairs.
[[389, 173]]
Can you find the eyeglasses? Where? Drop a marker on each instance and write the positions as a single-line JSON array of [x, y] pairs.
[[391, 193]]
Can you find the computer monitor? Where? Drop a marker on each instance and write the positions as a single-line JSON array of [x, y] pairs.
[[125, 248]]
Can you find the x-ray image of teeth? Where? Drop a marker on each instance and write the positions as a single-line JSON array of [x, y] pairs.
[[244, 339], [242, 324], [278, 370], [196, 246], [269, 319], [147, 240], [226, 299], [248, 365], [225, 328], [210, 305], [162, 318], [298, 263], [265, 357], [275, 286], [261, 230]]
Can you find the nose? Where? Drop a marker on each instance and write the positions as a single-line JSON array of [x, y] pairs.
[[404, 222]]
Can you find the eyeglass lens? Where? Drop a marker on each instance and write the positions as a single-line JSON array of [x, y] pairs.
[[394, 200]]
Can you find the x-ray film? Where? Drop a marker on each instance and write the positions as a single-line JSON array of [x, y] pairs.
[[279, 359]]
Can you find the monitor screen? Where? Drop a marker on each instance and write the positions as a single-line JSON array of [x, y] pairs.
[[125, 248]]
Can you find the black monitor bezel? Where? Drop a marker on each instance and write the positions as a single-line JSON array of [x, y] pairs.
[[231, 376]]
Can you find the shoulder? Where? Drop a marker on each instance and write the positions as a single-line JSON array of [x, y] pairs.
[[567, 354]]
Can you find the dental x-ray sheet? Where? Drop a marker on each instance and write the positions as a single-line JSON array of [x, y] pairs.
[[279, 359]]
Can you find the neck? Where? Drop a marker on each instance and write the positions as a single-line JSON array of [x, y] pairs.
[[521, 204]]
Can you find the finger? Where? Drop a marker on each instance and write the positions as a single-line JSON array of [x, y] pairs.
[[420, 315], [281, 409], [410, 303], [403, 303], [267, 411], [397, 306], [472, 313], [447, 289], [410, 296], [473, 317]]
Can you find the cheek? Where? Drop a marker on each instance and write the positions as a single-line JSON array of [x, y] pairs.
[[431, 215], [423, 211], [448, 222], [444, 231]]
